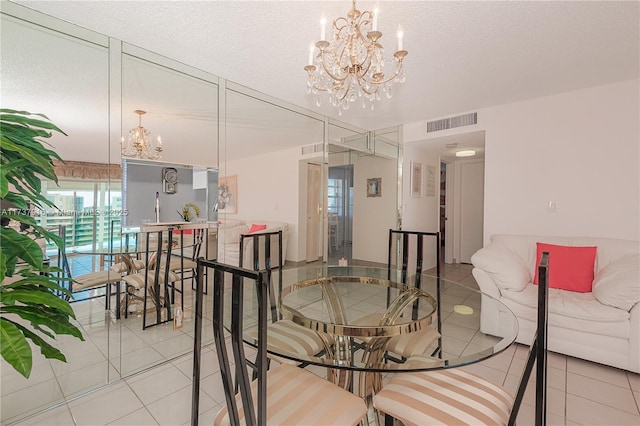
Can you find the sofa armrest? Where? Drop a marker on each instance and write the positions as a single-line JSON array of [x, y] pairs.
[[486, 283], [503, 265]]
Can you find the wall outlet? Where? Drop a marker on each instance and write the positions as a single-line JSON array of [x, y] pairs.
[[553, 207]]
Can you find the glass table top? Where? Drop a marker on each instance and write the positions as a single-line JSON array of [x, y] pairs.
[[361, 305]]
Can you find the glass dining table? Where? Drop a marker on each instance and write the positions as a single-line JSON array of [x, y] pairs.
[[357, 310]]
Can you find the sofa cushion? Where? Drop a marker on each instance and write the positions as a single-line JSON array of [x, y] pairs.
[[570, 267], [503, 265], [230, 233], [618, 283], [256, 228], [569, 304]]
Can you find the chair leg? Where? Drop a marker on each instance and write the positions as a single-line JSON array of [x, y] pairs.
[[388, 420], [107, 296], [118, 300]]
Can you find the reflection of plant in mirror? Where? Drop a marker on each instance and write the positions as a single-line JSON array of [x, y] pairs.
[[186, 212], [29, 289]]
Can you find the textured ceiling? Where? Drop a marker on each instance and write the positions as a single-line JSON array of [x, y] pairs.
[[462, 55]]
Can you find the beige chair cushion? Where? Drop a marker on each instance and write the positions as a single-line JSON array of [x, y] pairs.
[[298, 397], [95, 279], [177, 264], [411, 344], [121, 267], [406, 345], [445, 397], [291, 337], [137, 280]]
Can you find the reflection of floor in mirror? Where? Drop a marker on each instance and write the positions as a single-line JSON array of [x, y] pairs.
[[579, 392], [111, 348]]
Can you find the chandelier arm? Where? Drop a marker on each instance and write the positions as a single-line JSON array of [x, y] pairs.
[[344, 94], [364, 70], [395, 74], [329, 73], [365, 90]]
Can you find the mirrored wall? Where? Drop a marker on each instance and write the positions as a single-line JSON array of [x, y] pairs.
[[230, 155], [67, 79], [364, 177]]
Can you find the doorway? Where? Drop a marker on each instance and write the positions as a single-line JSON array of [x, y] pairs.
[[443, 209], [314, 209], [460, 205], [340, 212]]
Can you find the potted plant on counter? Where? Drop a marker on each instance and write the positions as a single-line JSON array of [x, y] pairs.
[[30, 306], [186, 214]]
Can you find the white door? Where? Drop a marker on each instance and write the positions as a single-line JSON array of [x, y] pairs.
[[314, 217], [471, 209]]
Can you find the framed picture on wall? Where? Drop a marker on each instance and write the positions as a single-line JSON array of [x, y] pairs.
[[416, 179], [228, 194], [431, 181], [374, 187]]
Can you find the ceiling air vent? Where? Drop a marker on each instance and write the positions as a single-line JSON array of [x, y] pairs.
[[452, 122], [312, 149]]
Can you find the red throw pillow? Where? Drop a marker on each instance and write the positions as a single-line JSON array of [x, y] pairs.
[[256, 228], [570, 267]]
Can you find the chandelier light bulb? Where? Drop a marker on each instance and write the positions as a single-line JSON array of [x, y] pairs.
[[323, 28], [400, 36], [375, 20]]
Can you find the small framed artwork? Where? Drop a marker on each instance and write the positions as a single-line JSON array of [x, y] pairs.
[[416, 179], [374, 187], [431, 181], [228, 194]]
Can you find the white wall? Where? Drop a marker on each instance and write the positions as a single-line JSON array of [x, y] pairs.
[[421, 213], [373, 216], [268, 190], [580, 149]]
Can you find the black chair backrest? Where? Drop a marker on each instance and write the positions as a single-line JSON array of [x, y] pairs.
[[404, 239], [255, 238], [537, 352], [239, 278], [153, 259], [267, 237], [63, 262], [192, 238]]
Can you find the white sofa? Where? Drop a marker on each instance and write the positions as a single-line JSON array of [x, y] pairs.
[[601, 326], [229, 231]]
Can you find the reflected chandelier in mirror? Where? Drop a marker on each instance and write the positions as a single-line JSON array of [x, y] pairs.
[[139, 143]]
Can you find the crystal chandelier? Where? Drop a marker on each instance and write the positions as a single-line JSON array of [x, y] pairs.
[[351, 66], [139, 142]]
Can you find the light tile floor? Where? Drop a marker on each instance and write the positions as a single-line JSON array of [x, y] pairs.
[[579, 392]]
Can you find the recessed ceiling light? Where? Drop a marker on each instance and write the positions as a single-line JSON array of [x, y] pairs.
[[466, 153]]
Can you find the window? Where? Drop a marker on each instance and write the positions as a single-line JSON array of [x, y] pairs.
[[91, 212], [335, 193]]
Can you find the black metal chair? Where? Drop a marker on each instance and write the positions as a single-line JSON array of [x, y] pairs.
[[415, 343], [262, 401], [455, 396], [156, 283], [185, 264], [284, 334], [89, 281]]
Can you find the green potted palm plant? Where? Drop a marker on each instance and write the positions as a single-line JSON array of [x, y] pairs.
[[30, 304]]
